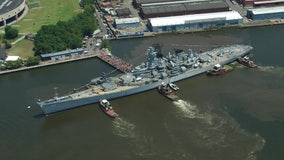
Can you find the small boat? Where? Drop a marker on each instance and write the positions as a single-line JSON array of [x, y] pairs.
[[173, 86], [107, 108], [246, 61], [219, 69], [166, 91]]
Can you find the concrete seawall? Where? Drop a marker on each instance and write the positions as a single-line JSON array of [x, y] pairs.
[[51, 62], [116, 62]]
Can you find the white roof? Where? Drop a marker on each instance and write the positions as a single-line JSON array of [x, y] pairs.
[[127, 20], [217, 65], [174, 20], [12, 58], [104, 101], [267, 10]]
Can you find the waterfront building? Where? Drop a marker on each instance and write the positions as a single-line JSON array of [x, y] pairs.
[[268, 3], [266, 13], [195, 21], [139, 3], [182, 8], [126, 22], [261, 3], [62, 54]]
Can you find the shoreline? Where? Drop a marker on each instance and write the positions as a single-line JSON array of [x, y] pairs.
[[50, 63], [258, 23]]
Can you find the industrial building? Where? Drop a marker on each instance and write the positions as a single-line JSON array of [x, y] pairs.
[[123, 12], [268, 3], [62, 54], [261, 3], [266, 13], [182, 8], [120, 23], [195, 21], [139, 3], [11, 10]]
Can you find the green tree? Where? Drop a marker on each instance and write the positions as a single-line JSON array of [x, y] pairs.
[[14, 64], [31, 61], [10, 32], [105, 44], [66, 34]]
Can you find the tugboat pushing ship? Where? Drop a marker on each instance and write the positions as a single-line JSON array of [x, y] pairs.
[[166, 91], [146, 76]]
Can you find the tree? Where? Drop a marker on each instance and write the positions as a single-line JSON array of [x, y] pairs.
[[7, 45], [14, 64], [105, 44], [66, 34], [31, 61], [10, 32]]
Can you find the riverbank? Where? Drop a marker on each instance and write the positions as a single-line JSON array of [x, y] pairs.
[[52, 62]]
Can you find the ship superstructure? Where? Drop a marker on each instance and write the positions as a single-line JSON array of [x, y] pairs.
[[148, 75]]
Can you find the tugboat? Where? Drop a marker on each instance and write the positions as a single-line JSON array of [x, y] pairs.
[[246, 61], [173, 86], [166, 91], [106, 107], [218, 69]]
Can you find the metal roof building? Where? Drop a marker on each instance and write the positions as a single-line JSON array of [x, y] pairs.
[[266, 13], [126, 22], [182, 8], [138, 3], [58, 55], [196, 21]]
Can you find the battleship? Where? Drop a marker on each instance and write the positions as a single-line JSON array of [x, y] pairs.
[[150, 74]]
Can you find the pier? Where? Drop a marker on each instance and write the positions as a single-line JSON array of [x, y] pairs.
[[110, 59], [116, 62]]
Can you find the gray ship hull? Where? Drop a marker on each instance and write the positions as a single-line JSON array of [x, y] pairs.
[[61, 105]]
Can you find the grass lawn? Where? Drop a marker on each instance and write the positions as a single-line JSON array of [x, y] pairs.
[[48, 12], [44, 12], [23, 49]]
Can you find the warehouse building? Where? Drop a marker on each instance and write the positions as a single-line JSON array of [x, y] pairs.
[[139, 3], [182, 8], [120, 23], [62, 54], [261, 3], [268, 3], [123, 12], [196, 21], [266, 13]]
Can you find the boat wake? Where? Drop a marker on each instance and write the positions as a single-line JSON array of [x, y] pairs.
[[140, 145], [123, 128], [210, 127], [189, 110], [272, 69]]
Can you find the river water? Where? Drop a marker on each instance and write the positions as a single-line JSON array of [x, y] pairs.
[[235, 116]]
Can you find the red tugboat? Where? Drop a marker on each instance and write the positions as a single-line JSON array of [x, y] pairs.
[[246, 61], [107, 108], [218, 69], [166, 91]]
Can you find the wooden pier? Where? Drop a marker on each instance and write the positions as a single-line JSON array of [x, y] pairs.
[[116, 62]]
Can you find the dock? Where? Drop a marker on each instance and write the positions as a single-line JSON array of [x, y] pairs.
[[116, 62], [110, 59]]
